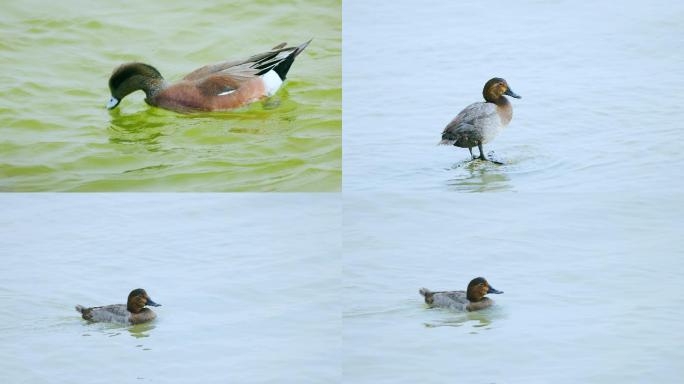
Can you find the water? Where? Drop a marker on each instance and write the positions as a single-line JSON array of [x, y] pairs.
[[56, 59], [589, 254], [600, 84], [248, 295], [592, 288]]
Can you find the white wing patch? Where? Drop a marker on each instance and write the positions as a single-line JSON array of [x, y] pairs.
[[272, 82], [226, 92]]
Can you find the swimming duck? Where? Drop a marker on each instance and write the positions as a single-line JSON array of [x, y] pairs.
[[479, 123], [472, 299], [134, 312], [215, 87]]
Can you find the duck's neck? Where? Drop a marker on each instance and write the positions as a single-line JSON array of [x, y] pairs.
[[505, 109], [473, 297], [152, 85]]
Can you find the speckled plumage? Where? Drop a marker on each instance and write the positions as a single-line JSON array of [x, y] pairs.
[[479, 123], [472, 299], [115, 313], [134, 312], [453, 299]]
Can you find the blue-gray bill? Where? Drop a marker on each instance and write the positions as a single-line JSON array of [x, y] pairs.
[[113, 102], [512, 94], [152, 303], [492, 290]]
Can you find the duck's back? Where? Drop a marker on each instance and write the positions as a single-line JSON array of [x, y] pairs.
[[452, 299], [115, 313], [447, 299]]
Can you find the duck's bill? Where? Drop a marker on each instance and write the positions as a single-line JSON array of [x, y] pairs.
[[492, 290], [113, 102], [512, 94], [152, 303]]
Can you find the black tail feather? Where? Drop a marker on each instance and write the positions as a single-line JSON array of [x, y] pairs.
[[284, 66]]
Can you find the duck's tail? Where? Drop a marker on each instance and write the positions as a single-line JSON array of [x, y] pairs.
[[284, 66], [86, 313], [446, 142], [427, 294]]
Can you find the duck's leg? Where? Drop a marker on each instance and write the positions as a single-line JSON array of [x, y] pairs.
[[471, 153], [482, 155]]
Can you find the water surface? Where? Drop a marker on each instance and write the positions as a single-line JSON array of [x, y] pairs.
[[600, 86], [57, 136], [592, 289], [248, 295]]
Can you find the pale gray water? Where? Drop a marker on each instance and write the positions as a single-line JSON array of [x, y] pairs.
[[248, 286], [601, 87], [592, 288]]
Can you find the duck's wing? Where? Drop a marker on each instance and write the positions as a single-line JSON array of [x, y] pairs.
[[255, 65], [114, 313], [463, 129], [219, 84], [471, 114], [452, 295], [450, 299]]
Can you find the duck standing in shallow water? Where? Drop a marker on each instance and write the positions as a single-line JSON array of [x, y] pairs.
[[479, 123], [472, 299], [216, 87], [134, 312]]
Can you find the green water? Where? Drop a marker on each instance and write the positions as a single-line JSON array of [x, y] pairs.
[[56, 135]]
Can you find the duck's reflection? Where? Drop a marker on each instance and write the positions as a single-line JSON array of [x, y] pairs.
[[141, 330], [479, 176], [475, 319], [144, 127]]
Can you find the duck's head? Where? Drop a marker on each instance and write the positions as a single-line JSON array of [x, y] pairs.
[[495, 88], [478, 288], [138, 299], [130, 77]]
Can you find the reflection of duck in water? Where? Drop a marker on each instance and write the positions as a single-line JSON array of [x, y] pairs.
[[472, 299], [134, 312], [479, 123]]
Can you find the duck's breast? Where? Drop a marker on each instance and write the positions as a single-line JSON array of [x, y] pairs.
[[486, 302], [144, 316], [491, 123]]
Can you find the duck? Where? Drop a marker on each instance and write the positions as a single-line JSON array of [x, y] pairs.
[[134, 312], [216, 87], [472, 299], [480, 122]]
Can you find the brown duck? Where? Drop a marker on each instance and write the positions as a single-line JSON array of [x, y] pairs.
[[215, 87], [133, 312], [472, 299]]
